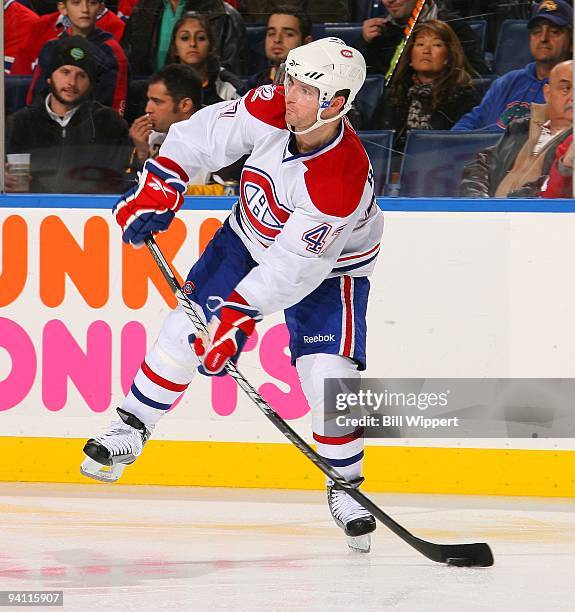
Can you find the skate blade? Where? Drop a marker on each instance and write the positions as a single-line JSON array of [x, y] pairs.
[[361, 544], [103, 473]]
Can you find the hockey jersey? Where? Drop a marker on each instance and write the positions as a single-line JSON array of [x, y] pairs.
[[303, 217], [50, 26], [20, 22]]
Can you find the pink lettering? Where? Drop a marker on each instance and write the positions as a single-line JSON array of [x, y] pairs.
[[290, 405], [16, 386], [62, 358]]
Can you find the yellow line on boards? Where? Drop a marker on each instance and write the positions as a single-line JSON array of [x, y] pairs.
[[473, 471]]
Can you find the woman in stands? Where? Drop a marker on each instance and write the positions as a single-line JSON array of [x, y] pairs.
[[193, 43], [432, 86]]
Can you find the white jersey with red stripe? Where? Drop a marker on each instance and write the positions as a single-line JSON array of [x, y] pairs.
[[303, 217]]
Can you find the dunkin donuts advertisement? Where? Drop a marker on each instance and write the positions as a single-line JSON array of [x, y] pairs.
[[78, 310], [453, 295]]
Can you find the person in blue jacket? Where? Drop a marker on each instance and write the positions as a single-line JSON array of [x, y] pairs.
[[510, 96]]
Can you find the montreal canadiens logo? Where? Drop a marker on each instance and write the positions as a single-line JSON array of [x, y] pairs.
[[265, 92], [260, 206], [346, 53], [188, 287]]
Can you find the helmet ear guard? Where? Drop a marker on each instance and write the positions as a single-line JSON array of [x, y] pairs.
[[330, 66]]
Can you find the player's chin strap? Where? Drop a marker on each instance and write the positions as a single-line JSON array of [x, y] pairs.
[[319, 122]]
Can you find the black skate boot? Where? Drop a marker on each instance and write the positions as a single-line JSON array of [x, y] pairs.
[[356, 522], [108, 454]]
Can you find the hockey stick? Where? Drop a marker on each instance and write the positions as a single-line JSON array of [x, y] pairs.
[[408, 30], [453, 554]]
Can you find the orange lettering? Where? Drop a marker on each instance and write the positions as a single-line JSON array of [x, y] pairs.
[[207, 230], [61, 255]]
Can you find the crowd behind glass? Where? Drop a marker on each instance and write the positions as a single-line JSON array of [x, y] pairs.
[[479, 103]]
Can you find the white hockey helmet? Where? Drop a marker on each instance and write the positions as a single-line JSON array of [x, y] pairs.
[[329, 65]]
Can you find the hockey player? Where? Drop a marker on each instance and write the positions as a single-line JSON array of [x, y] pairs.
[[303, 238]]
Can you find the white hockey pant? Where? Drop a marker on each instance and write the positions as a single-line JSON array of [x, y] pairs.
[[169, 367], [344, 453]]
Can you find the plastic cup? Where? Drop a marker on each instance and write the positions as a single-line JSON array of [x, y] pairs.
[[19, 168]]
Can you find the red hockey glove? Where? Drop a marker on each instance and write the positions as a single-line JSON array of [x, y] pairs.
[[149, 207], [237, 321]]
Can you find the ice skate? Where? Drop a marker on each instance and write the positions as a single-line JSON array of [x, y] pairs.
[[356, 522], [107, 455]]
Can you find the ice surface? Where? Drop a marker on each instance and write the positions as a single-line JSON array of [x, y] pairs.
[[117, 548]]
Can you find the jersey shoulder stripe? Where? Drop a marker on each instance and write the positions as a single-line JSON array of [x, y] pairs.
[[336, 179], [267, 103]]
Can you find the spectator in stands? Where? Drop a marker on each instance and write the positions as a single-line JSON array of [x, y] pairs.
[[112, 65], [174, 94], [193, 44], [511, 96], [149, 32], [51, 25], [560, 184], [432, 87], [320, 11], [382, 35], [76, 145], [287, 28], [19, 21], [519, 164]]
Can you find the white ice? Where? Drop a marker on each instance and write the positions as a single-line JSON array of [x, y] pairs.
[[117, 548]]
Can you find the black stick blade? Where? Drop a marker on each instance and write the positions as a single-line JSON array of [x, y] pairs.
[[462, 555], [467, 555]]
